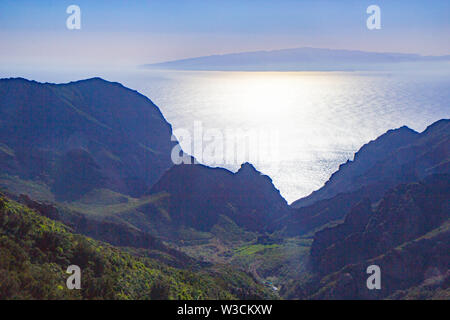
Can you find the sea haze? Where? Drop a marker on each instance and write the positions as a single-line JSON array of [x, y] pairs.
[[319, 119]]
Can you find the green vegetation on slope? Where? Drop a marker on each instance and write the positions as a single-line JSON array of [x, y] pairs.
[[35, 252], [36, 189], [274, 262]]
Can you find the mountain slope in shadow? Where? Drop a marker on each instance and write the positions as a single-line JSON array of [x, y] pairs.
[[406, 234], [82, 135], [200, 194]]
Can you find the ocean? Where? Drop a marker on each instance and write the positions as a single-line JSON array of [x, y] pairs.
[[296, 127]]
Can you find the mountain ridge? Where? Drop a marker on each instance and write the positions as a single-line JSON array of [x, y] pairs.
[[377, 149], [121, 136], [367, 156]]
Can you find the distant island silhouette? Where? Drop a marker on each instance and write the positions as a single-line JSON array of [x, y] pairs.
[[296, 59]]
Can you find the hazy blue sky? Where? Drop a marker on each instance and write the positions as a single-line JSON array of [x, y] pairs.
[[136, 32]]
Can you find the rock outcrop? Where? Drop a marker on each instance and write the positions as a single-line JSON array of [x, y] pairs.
[[200, 194]]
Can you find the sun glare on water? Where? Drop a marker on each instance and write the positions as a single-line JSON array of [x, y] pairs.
[[319, 118]]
